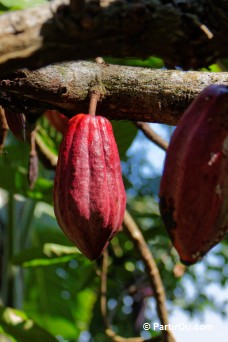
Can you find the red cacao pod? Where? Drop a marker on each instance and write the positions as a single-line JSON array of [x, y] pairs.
[[194, 185], [57, 120], [89, 196]]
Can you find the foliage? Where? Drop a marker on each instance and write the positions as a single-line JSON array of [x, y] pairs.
[[64, 298], [61, 289], [12, 5]]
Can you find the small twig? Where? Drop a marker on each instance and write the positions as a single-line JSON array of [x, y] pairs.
[[207, 31], [152, 135], [33, 142], [155, 279], [104, 288], [108, 330], [33, 161], [3, 129]]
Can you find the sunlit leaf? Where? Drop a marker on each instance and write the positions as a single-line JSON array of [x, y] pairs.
[[16, 324], [151, 62], [48, 254], [20, 4]]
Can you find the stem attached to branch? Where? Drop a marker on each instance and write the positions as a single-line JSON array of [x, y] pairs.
[[94, 98]]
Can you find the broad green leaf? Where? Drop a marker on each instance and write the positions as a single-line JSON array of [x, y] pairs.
[[48, 254], [49, 137], [53, 302], [213, 68], [15, 323], [57, 297], [85, 302]]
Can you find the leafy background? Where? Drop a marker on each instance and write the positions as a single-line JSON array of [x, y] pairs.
[[53, 291]]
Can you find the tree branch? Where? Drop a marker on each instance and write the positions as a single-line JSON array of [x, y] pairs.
[[183, 33], [152, 135], [131, 93]]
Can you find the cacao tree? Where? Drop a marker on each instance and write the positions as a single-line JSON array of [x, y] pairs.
[[49, 290]]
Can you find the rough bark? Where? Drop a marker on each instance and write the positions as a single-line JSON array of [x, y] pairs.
[[129, 93], [185, 33]]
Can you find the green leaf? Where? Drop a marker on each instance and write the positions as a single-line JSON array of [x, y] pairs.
[[213, 68], [21, 4], [48, 254], [3, 8], [151, 62], [14, 173], [85, 301], [16, 324], [49, 136], [14, 179], [55, 302]]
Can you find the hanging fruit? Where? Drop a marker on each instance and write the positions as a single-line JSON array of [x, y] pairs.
[[16, 123], [89, 195], [194, 185]]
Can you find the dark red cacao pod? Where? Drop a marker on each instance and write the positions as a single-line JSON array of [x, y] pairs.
[[89, 195], [16, 123], [194, 185], [57, 120]]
